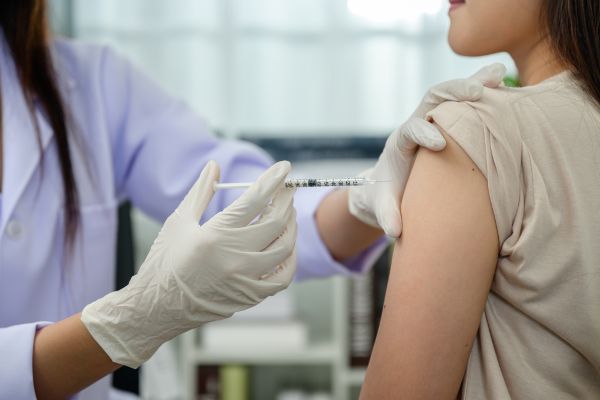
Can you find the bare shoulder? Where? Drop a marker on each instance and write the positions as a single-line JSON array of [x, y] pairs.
[[441, 273], [449, 175]]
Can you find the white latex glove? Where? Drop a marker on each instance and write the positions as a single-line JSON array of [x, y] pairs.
[[195, 273], [378, 205]]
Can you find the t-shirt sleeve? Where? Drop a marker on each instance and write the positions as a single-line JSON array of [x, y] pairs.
[[495, 147]]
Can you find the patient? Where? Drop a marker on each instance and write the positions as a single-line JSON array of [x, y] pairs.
[[494, 289]]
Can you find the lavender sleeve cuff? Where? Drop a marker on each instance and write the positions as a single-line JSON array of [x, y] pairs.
[[16, 351], [314, 259]]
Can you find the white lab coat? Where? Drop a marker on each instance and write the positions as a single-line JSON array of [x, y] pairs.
[[134, 142]]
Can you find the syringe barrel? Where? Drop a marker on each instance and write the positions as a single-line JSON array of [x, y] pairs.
[[296, 183]]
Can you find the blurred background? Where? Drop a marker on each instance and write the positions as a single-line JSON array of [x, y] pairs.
[[319, 82]]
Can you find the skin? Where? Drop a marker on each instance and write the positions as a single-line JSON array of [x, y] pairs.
[[444, 263], [66, 359], [482, 27], [441, 273]]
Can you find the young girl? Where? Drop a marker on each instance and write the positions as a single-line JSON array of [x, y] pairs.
[[494, 290]]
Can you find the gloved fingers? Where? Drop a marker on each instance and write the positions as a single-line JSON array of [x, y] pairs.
[[469, 89], [259, 235], [281, 204], [284, 273], [258, 196], [255, 291], [196, 200], [491, 75], [455, 90], [276, 252], [248, 291], [273, 222], [418, 132], [278, 278]]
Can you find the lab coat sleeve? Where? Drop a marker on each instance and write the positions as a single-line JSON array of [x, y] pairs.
[[160, 146], [314, 259], [16, 353]]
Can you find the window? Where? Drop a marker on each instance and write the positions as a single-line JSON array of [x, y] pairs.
[[284, 67]]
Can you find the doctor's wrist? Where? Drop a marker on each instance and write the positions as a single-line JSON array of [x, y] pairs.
[[344, 235], [67, 359]]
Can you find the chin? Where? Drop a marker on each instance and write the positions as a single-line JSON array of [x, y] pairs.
[[463, 49], [465, 46]]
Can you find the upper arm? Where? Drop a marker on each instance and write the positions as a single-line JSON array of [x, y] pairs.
[[440, 277], [155, 138], [160, 145]]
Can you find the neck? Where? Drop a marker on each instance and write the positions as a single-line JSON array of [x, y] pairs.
[[536, 62]]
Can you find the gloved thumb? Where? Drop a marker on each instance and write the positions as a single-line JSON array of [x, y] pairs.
[[418, 132], [390, 218], [196, 200], [490, 76]]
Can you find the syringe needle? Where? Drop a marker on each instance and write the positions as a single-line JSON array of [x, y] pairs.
[[377, 180]]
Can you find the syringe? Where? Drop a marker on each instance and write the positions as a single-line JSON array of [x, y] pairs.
[[309, 183]]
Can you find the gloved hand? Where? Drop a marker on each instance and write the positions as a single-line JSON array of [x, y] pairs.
[[378, 205], [195, 273]]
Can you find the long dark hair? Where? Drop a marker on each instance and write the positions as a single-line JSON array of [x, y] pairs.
[[574, 28], [24, 24]]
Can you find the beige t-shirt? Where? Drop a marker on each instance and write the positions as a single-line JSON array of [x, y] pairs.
[[539, 148]]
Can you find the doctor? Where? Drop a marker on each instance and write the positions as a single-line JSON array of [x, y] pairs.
[[83, 130]]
